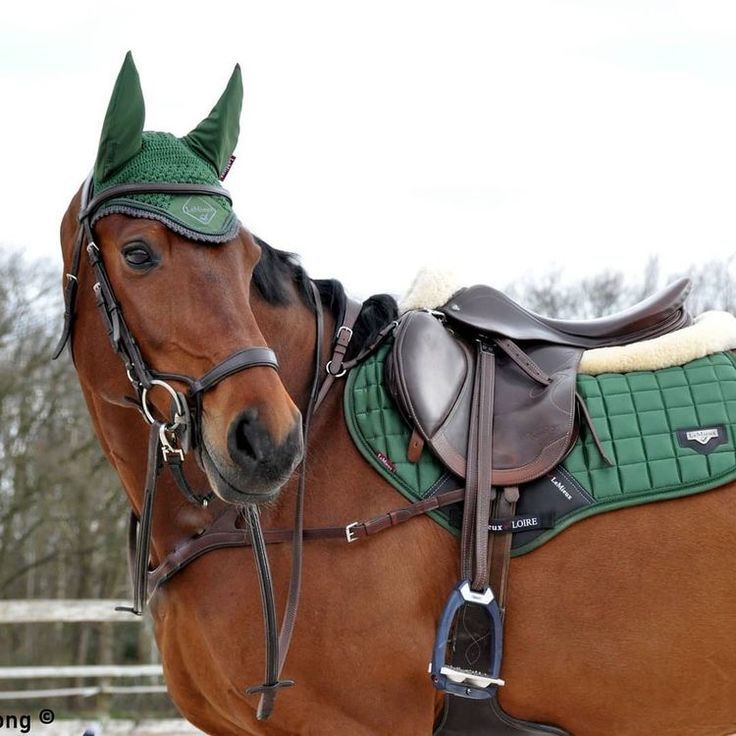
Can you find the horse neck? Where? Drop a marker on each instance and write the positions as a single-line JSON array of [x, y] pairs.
[[291, 331]]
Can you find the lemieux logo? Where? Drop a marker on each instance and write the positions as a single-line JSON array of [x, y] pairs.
[[703, 440], [703, 436], [199, 209]]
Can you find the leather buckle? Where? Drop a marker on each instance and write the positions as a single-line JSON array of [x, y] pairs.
[[348, 330]]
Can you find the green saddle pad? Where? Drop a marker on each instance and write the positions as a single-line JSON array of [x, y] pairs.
[[669, 432]]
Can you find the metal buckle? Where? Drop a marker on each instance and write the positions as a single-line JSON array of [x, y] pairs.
[[441, 316], [167, 449], [349, 534], [344, 344], [340, 329]]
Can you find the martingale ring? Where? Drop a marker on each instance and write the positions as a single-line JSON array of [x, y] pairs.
[[180, 410]]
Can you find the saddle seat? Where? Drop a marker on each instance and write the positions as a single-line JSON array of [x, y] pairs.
[[533, 407], [488, 310]]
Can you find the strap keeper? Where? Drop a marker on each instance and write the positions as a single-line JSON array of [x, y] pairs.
[[94, 253], [268, 687]]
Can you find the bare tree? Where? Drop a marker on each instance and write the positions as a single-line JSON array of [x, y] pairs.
[[714, 287]]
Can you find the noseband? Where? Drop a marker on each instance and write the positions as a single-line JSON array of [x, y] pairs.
[[183, 430]]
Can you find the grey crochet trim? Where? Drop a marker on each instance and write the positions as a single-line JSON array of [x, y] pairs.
[[177, 227]]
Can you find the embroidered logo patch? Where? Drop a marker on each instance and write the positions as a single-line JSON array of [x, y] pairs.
[[702, 439], [227, 168], [199, 209], [527, 522], [385, 460]]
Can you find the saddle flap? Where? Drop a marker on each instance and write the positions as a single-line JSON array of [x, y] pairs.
[[431, 373], [427, 371]]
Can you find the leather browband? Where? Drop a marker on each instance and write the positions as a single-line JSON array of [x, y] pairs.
[[149, 188]]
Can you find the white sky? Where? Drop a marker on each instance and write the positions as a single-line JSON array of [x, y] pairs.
[[377, 137]]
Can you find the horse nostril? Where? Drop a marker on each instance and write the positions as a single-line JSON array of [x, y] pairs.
[[249, 415], [246, 436]]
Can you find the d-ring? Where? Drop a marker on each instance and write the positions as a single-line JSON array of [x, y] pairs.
[[174, 395], [328, 368]]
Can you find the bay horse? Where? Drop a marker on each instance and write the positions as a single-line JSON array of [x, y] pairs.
[[621, 626]]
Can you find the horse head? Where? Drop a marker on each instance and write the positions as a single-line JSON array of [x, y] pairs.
[[170, 270]]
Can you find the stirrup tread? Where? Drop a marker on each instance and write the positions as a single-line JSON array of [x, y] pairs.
[[472, 678]]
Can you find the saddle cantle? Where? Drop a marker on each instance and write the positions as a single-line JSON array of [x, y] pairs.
[[431, 373]]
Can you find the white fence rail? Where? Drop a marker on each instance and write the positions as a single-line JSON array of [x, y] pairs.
[[83, 692], [84, 670], [63, 611], [73, 611], [93, 611]]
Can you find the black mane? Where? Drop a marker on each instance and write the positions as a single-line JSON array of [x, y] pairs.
[[277, 269]]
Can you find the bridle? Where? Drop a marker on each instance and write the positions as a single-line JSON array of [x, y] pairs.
[[182, 431], [170, 440]]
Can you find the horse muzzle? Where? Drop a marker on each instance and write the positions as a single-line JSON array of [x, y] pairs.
[[254, 467]]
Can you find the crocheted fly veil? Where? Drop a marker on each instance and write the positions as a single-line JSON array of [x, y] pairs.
[[128, 154]]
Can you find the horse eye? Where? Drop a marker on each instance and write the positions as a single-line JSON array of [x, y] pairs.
[[138, 256]]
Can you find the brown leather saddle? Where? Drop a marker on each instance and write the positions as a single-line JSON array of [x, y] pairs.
[[490, 387], [432, 373]]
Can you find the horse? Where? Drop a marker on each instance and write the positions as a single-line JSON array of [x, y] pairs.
[[620, 626]]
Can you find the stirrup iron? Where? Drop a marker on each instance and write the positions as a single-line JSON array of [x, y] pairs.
[[468, 683]]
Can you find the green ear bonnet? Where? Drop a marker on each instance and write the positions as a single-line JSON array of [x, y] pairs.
[[127, 155]]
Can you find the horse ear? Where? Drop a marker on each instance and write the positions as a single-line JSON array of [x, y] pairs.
[[215, 138], [121, 136]]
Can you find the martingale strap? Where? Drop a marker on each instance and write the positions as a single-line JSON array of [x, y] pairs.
[[277, 651], [226, 531], [141, 543]]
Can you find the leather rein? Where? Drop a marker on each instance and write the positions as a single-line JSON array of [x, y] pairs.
[[172, 438]]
